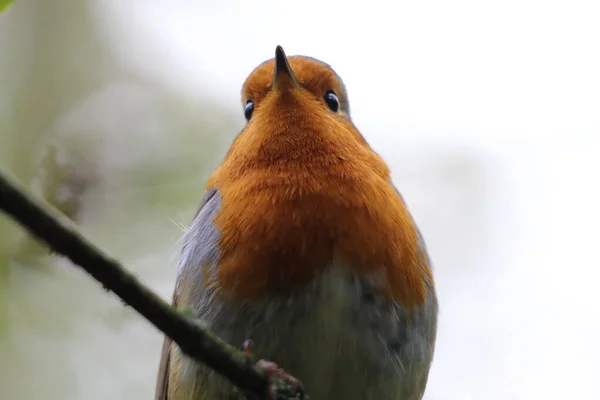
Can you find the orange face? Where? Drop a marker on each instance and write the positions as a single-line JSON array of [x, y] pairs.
[[291, 111], [314, 77], [301, 187]]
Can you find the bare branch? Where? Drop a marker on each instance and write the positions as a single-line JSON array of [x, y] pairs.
[[190, 334]]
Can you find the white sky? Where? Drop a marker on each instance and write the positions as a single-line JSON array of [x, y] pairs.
[[518, 80], [519, 68]]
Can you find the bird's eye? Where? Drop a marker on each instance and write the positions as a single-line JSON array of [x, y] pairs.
[[332, 101], [248, 109]]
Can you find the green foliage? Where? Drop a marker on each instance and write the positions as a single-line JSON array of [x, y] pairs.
[[5, 5]]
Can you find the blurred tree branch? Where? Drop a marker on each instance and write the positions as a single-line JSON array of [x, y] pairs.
[[190, 334]]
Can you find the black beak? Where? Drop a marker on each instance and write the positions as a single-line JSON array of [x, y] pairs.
[[283, 76]]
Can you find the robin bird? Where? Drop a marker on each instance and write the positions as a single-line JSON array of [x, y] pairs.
[[303, 244]]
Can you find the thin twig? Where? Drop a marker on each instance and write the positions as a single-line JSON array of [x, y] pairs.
[[191, 335]]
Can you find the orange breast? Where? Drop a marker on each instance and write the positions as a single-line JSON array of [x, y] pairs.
[[294, 200]]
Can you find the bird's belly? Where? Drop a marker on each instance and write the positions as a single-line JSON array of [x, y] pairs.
[[337, 335]]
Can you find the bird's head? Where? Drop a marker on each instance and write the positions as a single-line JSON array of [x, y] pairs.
[[282, 84], [296, 100]]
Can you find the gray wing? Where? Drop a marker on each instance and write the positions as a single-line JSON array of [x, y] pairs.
[[200, 237], [426, 320]]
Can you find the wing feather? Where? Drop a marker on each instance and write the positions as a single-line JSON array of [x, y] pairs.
[[203, 216]]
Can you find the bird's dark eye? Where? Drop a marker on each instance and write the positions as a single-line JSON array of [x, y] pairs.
[[248, 109], [332, 101]]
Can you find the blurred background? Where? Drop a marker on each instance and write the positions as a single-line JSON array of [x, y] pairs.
[[487, 112]]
